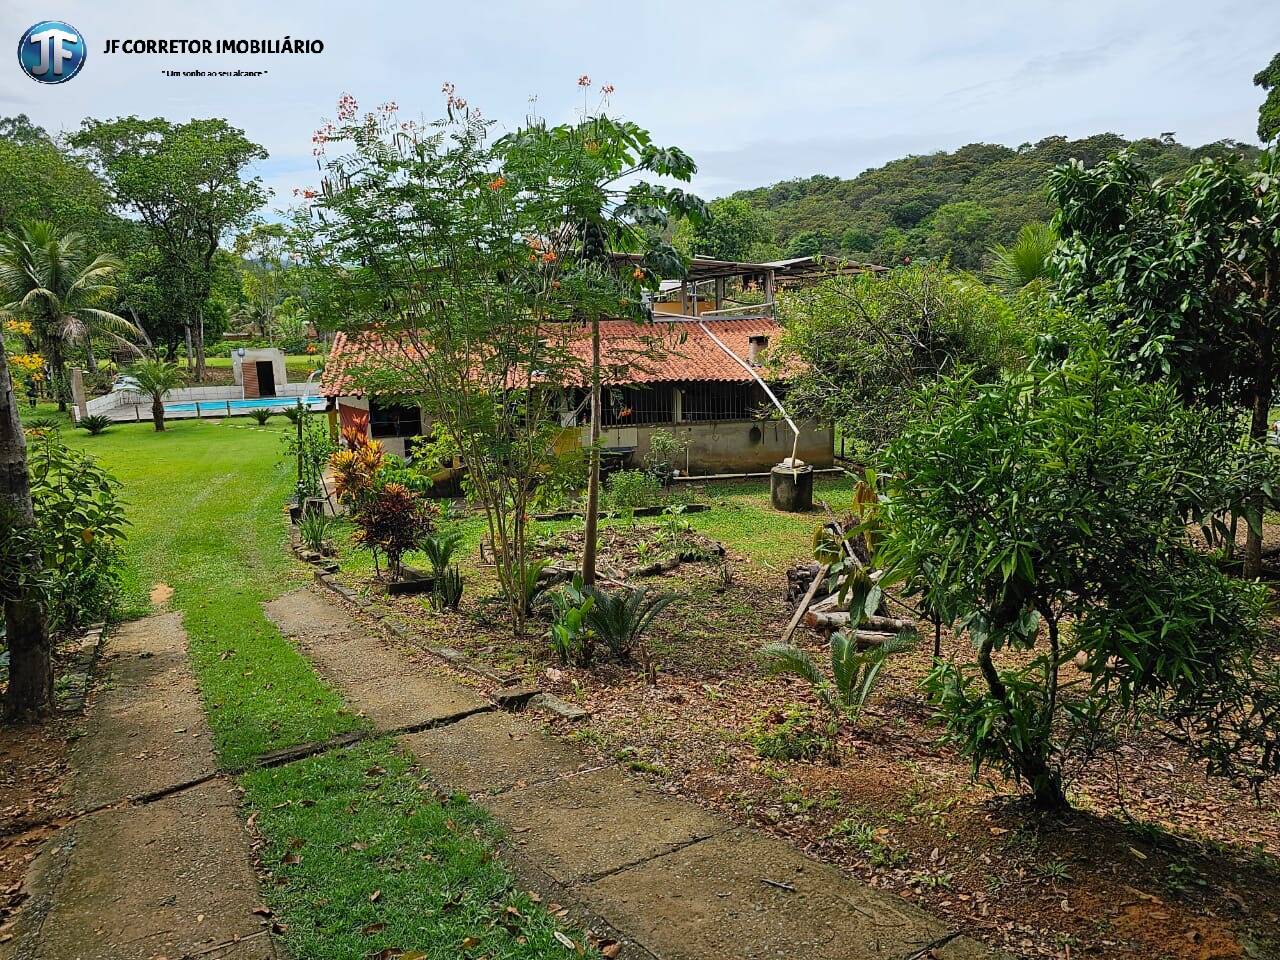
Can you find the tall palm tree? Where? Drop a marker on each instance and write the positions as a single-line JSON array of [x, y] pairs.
[[156, 378], [1025, 261], [54, 279]]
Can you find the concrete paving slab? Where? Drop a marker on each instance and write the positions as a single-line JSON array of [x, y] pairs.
[[374, 679], [589, 825], [147, 728], [166, 880], [711, 899], [492, 752]]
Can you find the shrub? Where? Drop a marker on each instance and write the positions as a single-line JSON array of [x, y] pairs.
[[261, 415], [42, 423], [665, 450], [620, 617], [446, 592], [628, 490], [532, 585], [572, 640], [393, 520], [295, 413], [95, 423], [1065, 492], [79, 526]]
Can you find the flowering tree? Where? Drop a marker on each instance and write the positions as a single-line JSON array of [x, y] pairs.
[[593, 205], [467, 258]]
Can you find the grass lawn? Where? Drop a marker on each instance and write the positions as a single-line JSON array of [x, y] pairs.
[[364, 858], [205, 507], [375, 862]]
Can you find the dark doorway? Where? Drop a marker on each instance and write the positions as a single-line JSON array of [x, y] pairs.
[[266, 378]]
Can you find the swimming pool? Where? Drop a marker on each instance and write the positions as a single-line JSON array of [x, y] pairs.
[[222, 408]]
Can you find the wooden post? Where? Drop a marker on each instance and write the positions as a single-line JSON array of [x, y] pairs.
[[720, 286]]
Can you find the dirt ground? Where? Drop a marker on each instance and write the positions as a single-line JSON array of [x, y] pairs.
[[34, 800], [1155, 862]]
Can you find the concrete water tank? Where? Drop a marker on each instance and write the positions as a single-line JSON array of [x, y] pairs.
[[791, 486]]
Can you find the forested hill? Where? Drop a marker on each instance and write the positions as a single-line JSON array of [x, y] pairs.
[[954, 204]]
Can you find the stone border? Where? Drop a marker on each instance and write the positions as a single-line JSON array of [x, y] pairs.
[[71, 687]]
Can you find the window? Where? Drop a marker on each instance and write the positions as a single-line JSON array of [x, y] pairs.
[[718, 401], [630, 406], [394, 420]]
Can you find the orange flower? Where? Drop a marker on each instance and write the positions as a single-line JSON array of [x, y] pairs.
[[498, 182], [549, 257], [638, 273]]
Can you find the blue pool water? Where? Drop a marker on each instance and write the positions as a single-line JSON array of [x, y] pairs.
[[213, 408]]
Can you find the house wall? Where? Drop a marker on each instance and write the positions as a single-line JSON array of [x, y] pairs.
[[247, 364], [731, 446]]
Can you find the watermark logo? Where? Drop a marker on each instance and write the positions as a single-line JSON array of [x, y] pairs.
[[51, 51]]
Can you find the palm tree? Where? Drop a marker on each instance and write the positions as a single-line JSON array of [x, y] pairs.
[[54, 280], [156, 378], [1027, 260]]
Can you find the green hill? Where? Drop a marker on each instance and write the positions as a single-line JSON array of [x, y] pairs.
[[944, 204]]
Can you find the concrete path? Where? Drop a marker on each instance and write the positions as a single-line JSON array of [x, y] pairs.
[[160, 866], [670, 879]]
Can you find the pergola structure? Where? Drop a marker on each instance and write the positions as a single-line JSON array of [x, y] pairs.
[[767, 277]]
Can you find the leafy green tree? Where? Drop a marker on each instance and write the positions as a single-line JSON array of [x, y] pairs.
[[41, 182], [1269, 113], [585, 178], [731, 230], [1050, 511], [1026, 261], [156, 378], [1186, 274], [187, 184], [56, 281], [958, 233], [866, 342]]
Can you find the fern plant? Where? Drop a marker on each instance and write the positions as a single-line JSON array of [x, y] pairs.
[[261, 414], [531, 585], [854, 672], [620, 617]]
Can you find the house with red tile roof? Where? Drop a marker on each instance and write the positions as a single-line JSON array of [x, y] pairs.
[[698, 372]]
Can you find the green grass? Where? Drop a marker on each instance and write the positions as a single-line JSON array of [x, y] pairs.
[[206, 512], [742, 519], [375, 861], [363, 857]]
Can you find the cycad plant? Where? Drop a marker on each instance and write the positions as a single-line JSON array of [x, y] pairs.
[[854, 672], [1025, 261], [440, 548], [620, 617], [57, 282], [156, 378]]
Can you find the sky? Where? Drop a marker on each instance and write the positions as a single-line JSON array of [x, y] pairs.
[[756, 92]]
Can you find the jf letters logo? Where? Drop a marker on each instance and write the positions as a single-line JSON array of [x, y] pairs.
[[51, 51]]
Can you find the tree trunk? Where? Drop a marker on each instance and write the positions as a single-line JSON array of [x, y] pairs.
[[30, 691], [1263, 392], [1029, 762], [200, 346], [157, 412], [90, 359], [191, 357], [58, 372], [593, 475]]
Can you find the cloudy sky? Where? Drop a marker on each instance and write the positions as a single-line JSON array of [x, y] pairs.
[[757, 92]]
